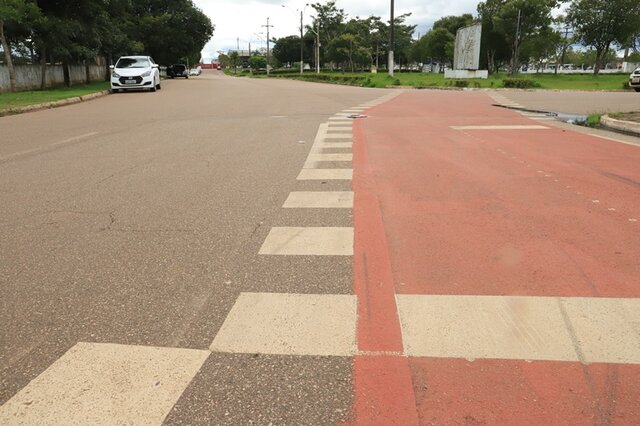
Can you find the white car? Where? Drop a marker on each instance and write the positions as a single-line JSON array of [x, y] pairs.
[[634, 80], [135, 73]]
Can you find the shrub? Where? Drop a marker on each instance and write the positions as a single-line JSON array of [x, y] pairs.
[[519, 83]]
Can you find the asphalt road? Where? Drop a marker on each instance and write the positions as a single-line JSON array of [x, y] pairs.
[[136, 219], [240, 251]]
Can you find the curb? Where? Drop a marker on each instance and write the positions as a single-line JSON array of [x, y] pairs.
[[56, 104], [628, 127]]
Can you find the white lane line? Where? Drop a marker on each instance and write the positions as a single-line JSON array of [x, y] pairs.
[[497, 127], [314, 158], [325, 174], [106, 384], [338, 127], [338, 136], [345, 119], [318, 199], [47, 147], [529, 328], [334, 145], [321, 241], [330, 157], [290, 324]]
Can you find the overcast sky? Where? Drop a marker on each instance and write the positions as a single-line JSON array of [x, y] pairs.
[[244, 18]]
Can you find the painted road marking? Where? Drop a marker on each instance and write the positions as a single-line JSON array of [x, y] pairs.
[[345, 119], [319, 200], [581, 329], [338, 127], [314, 158], [326, 174], [334, 145], [106, 384], [506, 127], [290, 324], [319, 241], [46, 148], [330, 157], [338, 136]]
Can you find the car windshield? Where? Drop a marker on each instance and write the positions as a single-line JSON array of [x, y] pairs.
[[132, 63]]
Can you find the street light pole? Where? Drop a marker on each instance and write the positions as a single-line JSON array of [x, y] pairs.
[[268, 49], [301, 46], [391, 41]]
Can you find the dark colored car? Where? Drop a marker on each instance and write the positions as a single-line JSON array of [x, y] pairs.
[[177, 70]]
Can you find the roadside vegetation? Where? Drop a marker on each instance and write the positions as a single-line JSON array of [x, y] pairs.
[[549, 36], [33, 97], [437, 80]]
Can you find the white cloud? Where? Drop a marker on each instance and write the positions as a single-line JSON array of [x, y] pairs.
[[243, 19]]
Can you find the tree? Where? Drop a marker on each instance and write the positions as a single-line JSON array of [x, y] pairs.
[[14, 12], [347, 48], [454, 23], [601, 24], [330, 20], [494, 49], [519, 20], [234, 61], [287, 49], [257, 62], [543, 46]]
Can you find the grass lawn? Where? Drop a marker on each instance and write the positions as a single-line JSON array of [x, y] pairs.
[[32, 97], [540, 81]]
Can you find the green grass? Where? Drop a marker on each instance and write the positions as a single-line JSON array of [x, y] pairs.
[[541, 81], [593, 120], [32, 97]]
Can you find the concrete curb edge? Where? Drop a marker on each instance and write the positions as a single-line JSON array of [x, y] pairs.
[[56, 104], [627, 127]]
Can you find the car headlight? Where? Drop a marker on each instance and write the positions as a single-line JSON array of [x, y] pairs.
[[116, 75], [147, 74]]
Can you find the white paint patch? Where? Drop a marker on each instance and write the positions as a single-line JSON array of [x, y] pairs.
[[47, 147], [335, 145], [330, 157], [321, 241], [106, 384], [506, 127], [338, 136], [320, 200], [345, 119], [326, 174], [533, 328], [290, 324]]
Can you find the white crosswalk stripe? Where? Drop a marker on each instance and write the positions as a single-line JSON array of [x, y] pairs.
[[105, 384]]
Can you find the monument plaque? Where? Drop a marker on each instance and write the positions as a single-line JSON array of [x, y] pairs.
[[466, 56]]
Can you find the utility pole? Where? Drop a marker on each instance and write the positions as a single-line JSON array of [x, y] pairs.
[[301, 47], [268, 49], [317, 31], [516, 49], [391, 41]]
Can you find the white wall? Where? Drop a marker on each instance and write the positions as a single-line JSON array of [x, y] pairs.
[[28, 76]]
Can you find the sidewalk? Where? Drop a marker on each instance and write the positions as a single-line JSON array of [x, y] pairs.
[[512, 255]]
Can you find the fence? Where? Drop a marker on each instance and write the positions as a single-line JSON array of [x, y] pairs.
[[28, 77]]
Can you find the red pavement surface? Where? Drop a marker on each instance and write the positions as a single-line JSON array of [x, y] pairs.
[[487, 212]]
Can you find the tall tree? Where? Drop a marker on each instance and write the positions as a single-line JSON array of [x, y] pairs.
[[494, 49], [454, 23], [519, 20], [14, 12], [602, 24]]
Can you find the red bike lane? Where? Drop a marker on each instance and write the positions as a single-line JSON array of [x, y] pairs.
[[444, 209]]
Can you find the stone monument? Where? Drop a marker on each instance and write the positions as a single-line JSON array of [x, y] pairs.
[[466, 57]]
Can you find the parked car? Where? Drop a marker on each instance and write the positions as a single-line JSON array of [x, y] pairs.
[[195, 71], [219, 67], [178, 70], [135, 73], [634, 80]]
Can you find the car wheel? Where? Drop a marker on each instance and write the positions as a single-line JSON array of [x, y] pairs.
[[158, 86], [637, 89], [187, 77], [115, 90]]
